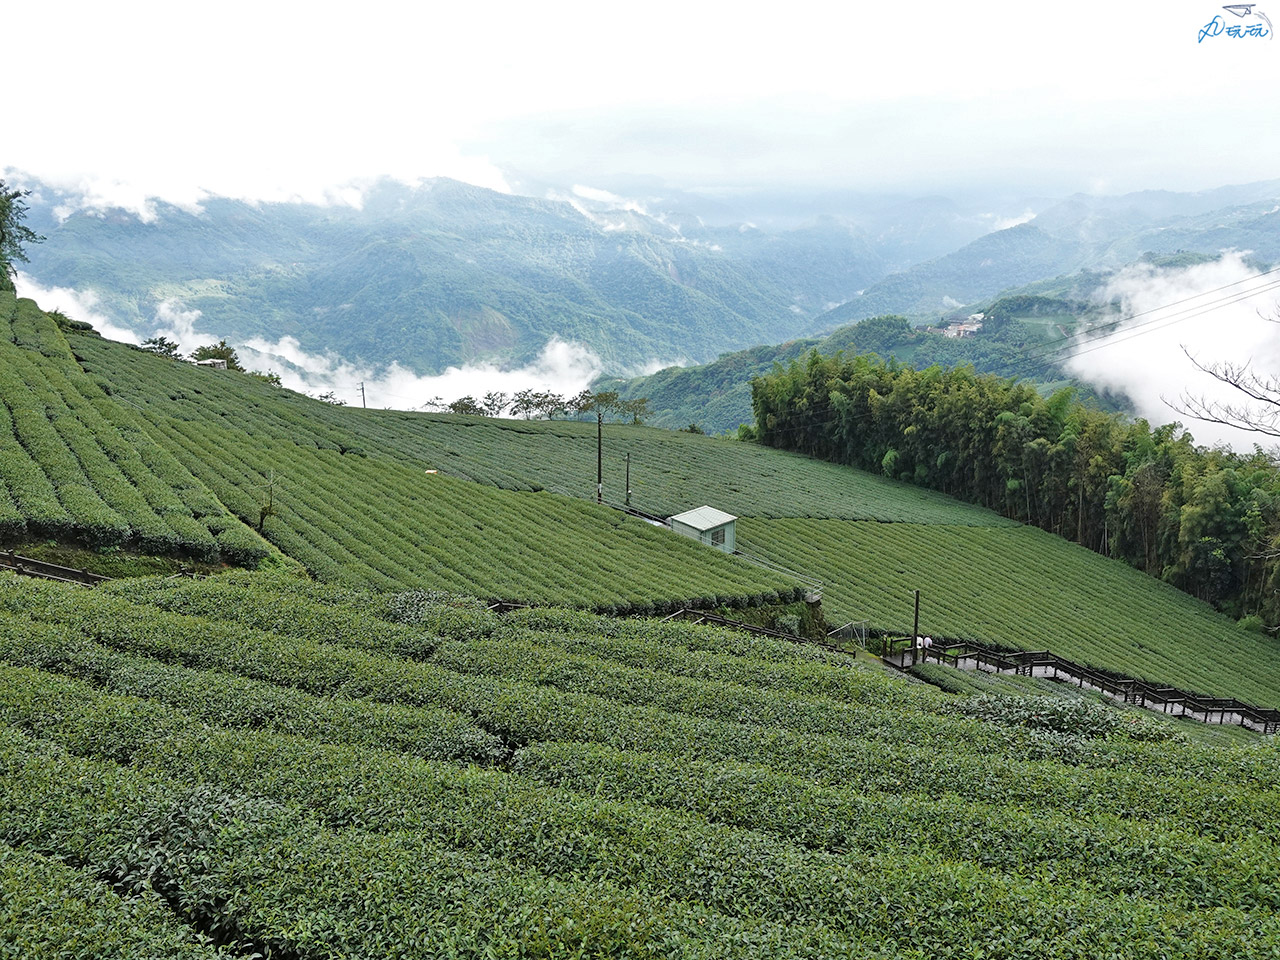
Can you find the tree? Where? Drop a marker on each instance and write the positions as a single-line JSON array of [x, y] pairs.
[[162, 346], [218, 351], [637, 409], [550, 403], [494, 403], [523, 404], [582, 403], [13, 233], [467, 405], [604, 402], [269, 376], [331, 398]]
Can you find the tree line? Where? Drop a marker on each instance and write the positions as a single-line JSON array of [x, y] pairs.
[[532, 404], [164, 347], [1204, 520]]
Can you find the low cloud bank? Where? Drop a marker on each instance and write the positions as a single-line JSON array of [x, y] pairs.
[[562, 366], [1175, 312], [77, 304]]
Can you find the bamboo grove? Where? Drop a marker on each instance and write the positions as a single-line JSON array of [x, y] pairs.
[[1204, 520]]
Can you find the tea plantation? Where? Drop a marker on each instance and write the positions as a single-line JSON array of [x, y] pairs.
[[152, 454], [336, 753], [260, 765], [110, 445]]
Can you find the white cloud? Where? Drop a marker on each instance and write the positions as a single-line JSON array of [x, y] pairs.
[[611, 200], [650, 367], [562, 366], [178, 323], [76, 304], [1004, 223], [1173, 311]]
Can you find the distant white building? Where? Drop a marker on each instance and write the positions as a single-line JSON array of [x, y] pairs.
[[713, 527], [966, 329], [216, 364]]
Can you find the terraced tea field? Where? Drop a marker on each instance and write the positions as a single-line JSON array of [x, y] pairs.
[[75, 465], [350, 498], [258, 764], [235, 453], [1024, 588]]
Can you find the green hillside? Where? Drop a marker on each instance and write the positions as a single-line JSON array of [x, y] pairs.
[[977, 271], [258, 455], [77, 466], [1017, 330], [349, 494], [252, 765], [1018, 586]]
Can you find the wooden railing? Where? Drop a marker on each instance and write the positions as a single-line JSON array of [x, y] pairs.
[[29, 566], [902, 652]]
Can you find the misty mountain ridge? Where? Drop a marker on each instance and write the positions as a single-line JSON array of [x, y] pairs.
[[1080, 234], [1021, 337], [447, 274]]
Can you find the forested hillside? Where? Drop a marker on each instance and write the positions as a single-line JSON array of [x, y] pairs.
[[1019, 332], [1207, 521]]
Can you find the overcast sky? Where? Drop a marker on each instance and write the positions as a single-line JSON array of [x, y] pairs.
[[271, 100]]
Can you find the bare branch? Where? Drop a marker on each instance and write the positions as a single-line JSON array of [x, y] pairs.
[[1260, 416]]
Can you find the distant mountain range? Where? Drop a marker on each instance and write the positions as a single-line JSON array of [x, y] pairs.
[[447, 274], [1019, 328], [1096, 233]]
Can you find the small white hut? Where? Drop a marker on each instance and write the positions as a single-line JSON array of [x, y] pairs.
[[713, 527]]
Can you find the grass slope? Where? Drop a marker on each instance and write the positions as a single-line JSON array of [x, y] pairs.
[[301, 770], [357, 509], [354, 503]]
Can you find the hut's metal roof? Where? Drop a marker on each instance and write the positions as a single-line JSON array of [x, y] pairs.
[[703, 518]]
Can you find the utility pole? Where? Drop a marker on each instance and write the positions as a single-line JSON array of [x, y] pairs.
[[362, 401], [628, 479], [915, 632], [268, 509], [599, 454]]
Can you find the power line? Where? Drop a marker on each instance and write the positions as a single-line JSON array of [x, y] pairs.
[[1120, 335], [1166, 322], [1045, 351], [1119, 326]]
